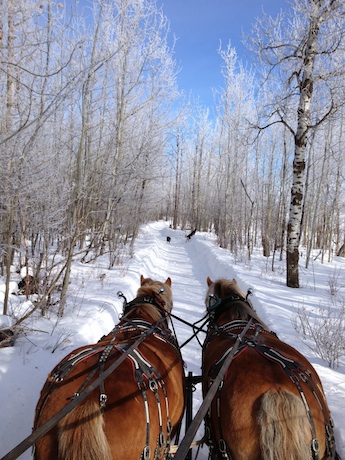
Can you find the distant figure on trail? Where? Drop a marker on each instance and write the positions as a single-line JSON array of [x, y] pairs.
[[191, 234], [168, 239]]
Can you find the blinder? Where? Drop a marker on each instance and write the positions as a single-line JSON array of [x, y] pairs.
[[214, 301]]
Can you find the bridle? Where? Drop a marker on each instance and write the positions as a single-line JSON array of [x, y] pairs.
[[155, 299]]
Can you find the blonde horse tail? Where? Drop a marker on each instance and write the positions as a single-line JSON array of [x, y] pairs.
[[81, 434], [285, 429]]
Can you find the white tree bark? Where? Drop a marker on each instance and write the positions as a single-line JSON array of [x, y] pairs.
[[303, 126]]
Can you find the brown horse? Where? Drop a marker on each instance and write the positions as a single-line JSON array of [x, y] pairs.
[[136, 411], [270, 404]]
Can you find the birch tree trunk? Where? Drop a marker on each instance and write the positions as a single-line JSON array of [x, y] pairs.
[[10, 99], [177, 187], [303, 61], [303, 126]]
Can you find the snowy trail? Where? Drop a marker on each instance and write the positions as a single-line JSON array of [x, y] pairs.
[[188, 278], [177, 260], [189, 263], [93, 308]]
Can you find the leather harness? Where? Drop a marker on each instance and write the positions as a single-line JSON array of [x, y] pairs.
[[144, 373], [295, 371]]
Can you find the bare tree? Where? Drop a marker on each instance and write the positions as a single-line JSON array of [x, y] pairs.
[[234, 106], [302, 57], [199, 185], [86, 109]]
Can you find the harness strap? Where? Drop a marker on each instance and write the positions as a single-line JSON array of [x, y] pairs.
[[60, 372], [132, 325], [102, 360], [295, 372], [220, 447], [148, 378], [63, 369]]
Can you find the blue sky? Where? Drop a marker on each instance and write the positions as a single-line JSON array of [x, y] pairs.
[[199, 26]]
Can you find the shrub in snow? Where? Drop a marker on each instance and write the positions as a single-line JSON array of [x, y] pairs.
[[334, 282], [326, 329]]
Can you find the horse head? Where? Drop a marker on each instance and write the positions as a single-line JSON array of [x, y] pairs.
[[154, 298], [223, 288], [225, 298], [161, 291]]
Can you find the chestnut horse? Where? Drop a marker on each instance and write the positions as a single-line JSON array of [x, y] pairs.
[[136, 410], [270, 404]]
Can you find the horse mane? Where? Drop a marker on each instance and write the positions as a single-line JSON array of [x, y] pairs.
[[242, 311], [145, 308], [224, 287]]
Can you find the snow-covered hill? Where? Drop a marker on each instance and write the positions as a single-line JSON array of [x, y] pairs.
[[93, 308]]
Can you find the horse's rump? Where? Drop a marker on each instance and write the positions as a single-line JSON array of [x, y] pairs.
[[86, 433], [136, 409], [259, 403], [271, 404]]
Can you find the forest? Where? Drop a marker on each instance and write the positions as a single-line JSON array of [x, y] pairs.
[[97, 139]]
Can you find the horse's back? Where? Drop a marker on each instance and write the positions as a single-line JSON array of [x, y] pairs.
[[255, 382], [121, 427]]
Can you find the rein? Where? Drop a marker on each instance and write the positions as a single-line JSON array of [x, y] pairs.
[[182, 451], [196, 329], [159, 303], [156, 301]]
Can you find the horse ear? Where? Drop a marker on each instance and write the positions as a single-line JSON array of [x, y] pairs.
[[209, 281], [141, 280], [168, 281]]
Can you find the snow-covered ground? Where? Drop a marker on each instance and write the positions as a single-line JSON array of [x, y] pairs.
[[93, 308]]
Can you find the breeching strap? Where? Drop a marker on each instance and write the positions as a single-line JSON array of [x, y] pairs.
[[49, 424], [186, 442]]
